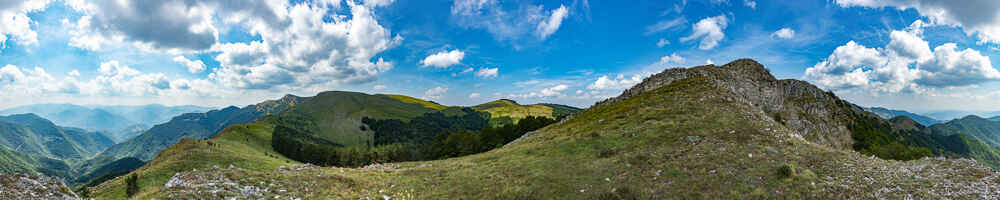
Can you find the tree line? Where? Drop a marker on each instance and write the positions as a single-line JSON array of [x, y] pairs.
[[430, 136]]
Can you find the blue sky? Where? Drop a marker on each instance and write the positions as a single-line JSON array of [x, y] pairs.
[[917, 55]]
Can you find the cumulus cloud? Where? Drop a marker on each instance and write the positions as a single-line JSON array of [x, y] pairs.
[[435, 93], [673, 58], [553, 91], [487, 72], [617, 83], [906, 64], [300, 47], [379, 87], [549, 26], [709, 30], [504, 24], [950, 67], [978, 18], [443, 59], [113, 79], [784, 33], [169, 24], [15, 25], [192, 66], [474, 96]]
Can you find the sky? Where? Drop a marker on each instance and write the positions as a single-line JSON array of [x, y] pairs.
[[917, 55]]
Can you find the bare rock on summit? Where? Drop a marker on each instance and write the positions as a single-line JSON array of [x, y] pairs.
[[814, 114]]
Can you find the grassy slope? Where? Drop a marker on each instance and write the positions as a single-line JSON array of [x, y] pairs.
[[508, 108], [408, 99], [337, 115], [661, 144], [244, 146], [983, 129], [12, 161]]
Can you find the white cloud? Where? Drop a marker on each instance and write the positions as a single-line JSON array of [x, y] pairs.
[[908, 45], [312, 44], [15, 24], [662, 42], [553, 91], [192, 66], [978, 18], [113, 79], [751, 4], [618, 83], [784, 33], [906, 64], [709, 30], [709, 62], [179, 25], [474, 96], [673, 58], [949, 67], [435, 93], [508, 25], [379, 87], [487, 72], [374, 3], [305, 45], [665, 24], [443, 59], [549, 26]]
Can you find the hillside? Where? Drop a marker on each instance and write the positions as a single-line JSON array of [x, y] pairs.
[[977, 127], [193, 125], [505, 111], [889, 114], [946, 142], [33, 135], [17, 162], [336, 116], [708, 132]]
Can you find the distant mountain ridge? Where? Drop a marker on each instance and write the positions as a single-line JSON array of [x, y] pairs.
[[145, 146], [886, 113], [977, 127], [116, 121], [34, 135]]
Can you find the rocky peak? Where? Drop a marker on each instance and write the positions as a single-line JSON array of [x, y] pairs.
[[817, 115]]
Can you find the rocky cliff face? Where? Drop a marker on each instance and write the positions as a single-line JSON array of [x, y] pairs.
[[814, 114]]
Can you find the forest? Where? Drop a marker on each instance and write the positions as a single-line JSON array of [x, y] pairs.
[[427, 137]]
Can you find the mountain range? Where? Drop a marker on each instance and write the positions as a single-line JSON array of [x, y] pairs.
[[706, 132], [119, 122], [889, 114]]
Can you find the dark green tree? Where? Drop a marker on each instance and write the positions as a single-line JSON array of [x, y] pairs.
[[132, 183]]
